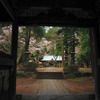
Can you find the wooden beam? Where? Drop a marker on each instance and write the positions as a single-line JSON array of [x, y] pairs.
[[83, 22], [8, 8], [14, 56], [59, 3], [96, 36]]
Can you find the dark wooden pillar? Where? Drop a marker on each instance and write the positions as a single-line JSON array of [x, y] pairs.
[[14, 56], [97, 61]]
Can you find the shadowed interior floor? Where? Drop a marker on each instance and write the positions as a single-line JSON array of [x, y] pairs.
[[56, 97]]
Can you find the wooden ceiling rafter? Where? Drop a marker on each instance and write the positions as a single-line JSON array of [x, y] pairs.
[[8, 8], [82, 12], [23, 21]]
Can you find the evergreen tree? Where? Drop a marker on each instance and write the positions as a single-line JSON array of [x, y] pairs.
[[84, 56]]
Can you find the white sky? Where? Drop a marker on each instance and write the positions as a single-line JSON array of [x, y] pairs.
[[47, 28]]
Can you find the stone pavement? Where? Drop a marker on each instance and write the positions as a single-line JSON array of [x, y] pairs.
[[52, 89]]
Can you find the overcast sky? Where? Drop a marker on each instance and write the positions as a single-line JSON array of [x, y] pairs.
[[47, 28]]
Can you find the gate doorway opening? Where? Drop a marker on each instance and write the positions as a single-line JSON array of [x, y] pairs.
[[73, 53]]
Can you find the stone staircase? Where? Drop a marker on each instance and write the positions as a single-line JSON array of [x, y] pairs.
[[50, 75]]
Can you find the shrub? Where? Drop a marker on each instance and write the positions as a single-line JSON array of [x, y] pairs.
[[70, 75], [85, 73], [30, 66], [20, 67], [29, 74], [25, 74], [58, 65], [71, 71], [20, 74], [45, 64]]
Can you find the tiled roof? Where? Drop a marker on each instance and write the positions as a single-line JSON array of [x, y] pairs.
[[51, 57]]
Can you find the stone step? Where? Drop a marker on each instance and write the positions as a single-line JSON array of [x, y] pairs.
[[50, 75]]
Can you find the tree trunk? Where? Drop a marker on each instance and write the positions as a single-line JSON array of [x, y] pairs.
[[87, 64], [66, 50], [73, 50], [62, 47], [27, 40]]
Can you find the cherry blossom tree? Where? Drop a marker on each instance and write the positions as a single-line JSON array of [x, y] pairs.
[[38, 46], [5, 39]]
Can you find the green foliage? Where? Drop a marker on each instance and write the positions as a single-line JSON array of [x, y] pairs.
[[38, 32], [5, 46], [51, 34], [19, 57], [25, 74], [71, 71], [58, 65], [30, 66], [85, 73], [69, 41], [20, 74], [70, 75], [45, 64], [58, 49], [84, 55], [79, 79], [54, 38]]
